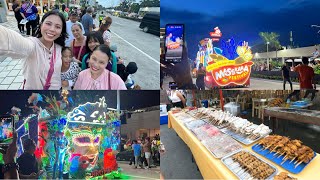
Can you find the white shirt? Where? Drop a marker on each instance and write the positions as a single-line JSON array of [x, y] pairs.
[[69, 32], [174, 98], [107, 36], [96, 23]]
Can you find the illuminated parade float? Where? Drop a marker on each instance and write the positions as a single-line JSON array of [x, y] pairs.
[[73, 141], [226, 66]]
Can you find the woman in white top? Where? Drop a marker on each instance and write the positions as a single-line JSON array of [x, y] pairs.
[[42, 65], [104, 29], [177, 99]]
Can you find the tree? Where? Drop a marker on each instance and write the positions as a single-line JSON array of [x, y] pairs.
[[134, 8], [272, 40], [150, 3]]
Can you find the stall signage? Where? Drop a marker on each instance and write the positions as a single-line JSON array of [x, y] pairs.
[[226, 73], [228, 65]]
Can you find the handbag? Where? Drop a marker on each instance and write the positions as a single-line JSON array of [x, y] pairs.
[[51, 70]]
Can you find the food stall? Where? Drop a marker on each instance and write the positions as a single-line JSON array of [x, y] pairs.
[[225, 146]]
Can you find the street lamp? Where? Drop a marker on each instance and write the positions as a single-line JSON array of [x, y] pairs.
[[268, 55], [316, 26]]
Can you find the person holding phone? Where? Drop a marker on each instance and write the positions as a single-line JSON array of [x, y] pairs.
[[177, 67], [9, 170], [180, 72], [28, 165]]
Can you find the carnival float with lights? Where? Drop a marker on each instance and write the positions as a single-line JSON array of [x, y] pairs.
[[226, 66], [73, 141]]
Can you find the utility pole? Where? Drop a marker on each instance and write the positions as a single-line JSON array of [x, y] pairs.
[[268, 56], [291, 39], [316, 26]]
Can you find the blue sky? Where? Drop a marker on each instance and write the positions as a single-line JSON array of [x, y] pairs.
[[111, 3], [244, 19], [214, 7]]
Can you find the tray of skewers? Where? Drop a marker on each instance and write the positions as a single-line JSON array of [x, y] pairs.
[[219, 118], [284, 176], [246, 165], [246, 132], [194, 124], [216, 142], [221, 145], [200, 112], [292, 155]]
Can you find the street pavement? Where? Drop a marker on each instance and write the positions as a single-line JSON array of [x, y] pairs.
[[255, 84], [133, 45], [11, 77], [176, 162], [152, 173]]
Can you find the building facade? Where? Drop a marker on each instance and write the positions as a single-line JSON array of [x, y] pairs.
[[144, 124]]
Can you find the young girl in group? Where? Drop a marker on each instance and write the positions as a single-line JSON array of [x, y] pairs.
[[69, 70], [42, 54], [97, 77], [94, 39]]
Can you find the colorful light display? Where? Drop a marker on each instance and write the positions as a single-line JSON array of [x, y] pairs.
[[227, 66], [78, 142], [93, 130]]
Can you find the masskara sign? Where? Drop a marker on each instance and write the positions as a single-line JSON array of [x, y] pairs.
[[224, 72]]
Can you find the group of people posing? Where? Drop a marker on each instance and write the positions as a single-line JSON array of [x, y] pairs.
[[69, 54]]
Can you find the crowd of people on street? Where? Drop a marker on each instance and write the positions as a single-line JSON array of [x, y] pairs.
[[145, 152], [66, 49]]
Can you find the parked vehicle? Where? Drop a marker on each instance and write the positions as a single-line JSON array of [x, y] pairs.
[[151, 23]]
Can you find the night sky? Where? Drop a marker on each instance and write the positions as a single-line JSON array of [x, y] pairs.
[[130, 100], [243, 20]]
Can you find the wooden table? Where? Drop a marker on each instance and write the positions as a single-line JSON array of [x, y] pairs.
[[213, 168], [305, 116]]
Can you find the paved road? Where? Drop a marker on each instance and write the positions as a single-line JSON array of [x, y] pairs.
[[255, 84], [150, 174], [135, 45], [176, 162], [266, 84]]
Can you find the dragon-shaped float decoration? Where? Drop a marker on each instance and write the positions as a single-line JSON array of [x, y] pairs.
[[228, 66], [76, 142]]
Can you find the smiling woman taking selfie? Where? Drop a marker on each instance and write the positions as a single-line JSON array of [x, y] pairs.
[[41, 54]]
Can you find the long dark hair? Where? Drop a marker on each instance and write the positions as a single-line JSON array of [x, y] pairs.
[[60, 40], [105, 49], [96, 36]]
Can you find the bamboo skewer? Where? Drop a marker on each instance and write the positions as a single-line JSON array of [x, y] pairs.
[[285, 157], [282, 154], [298, 164], [293, 159]]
